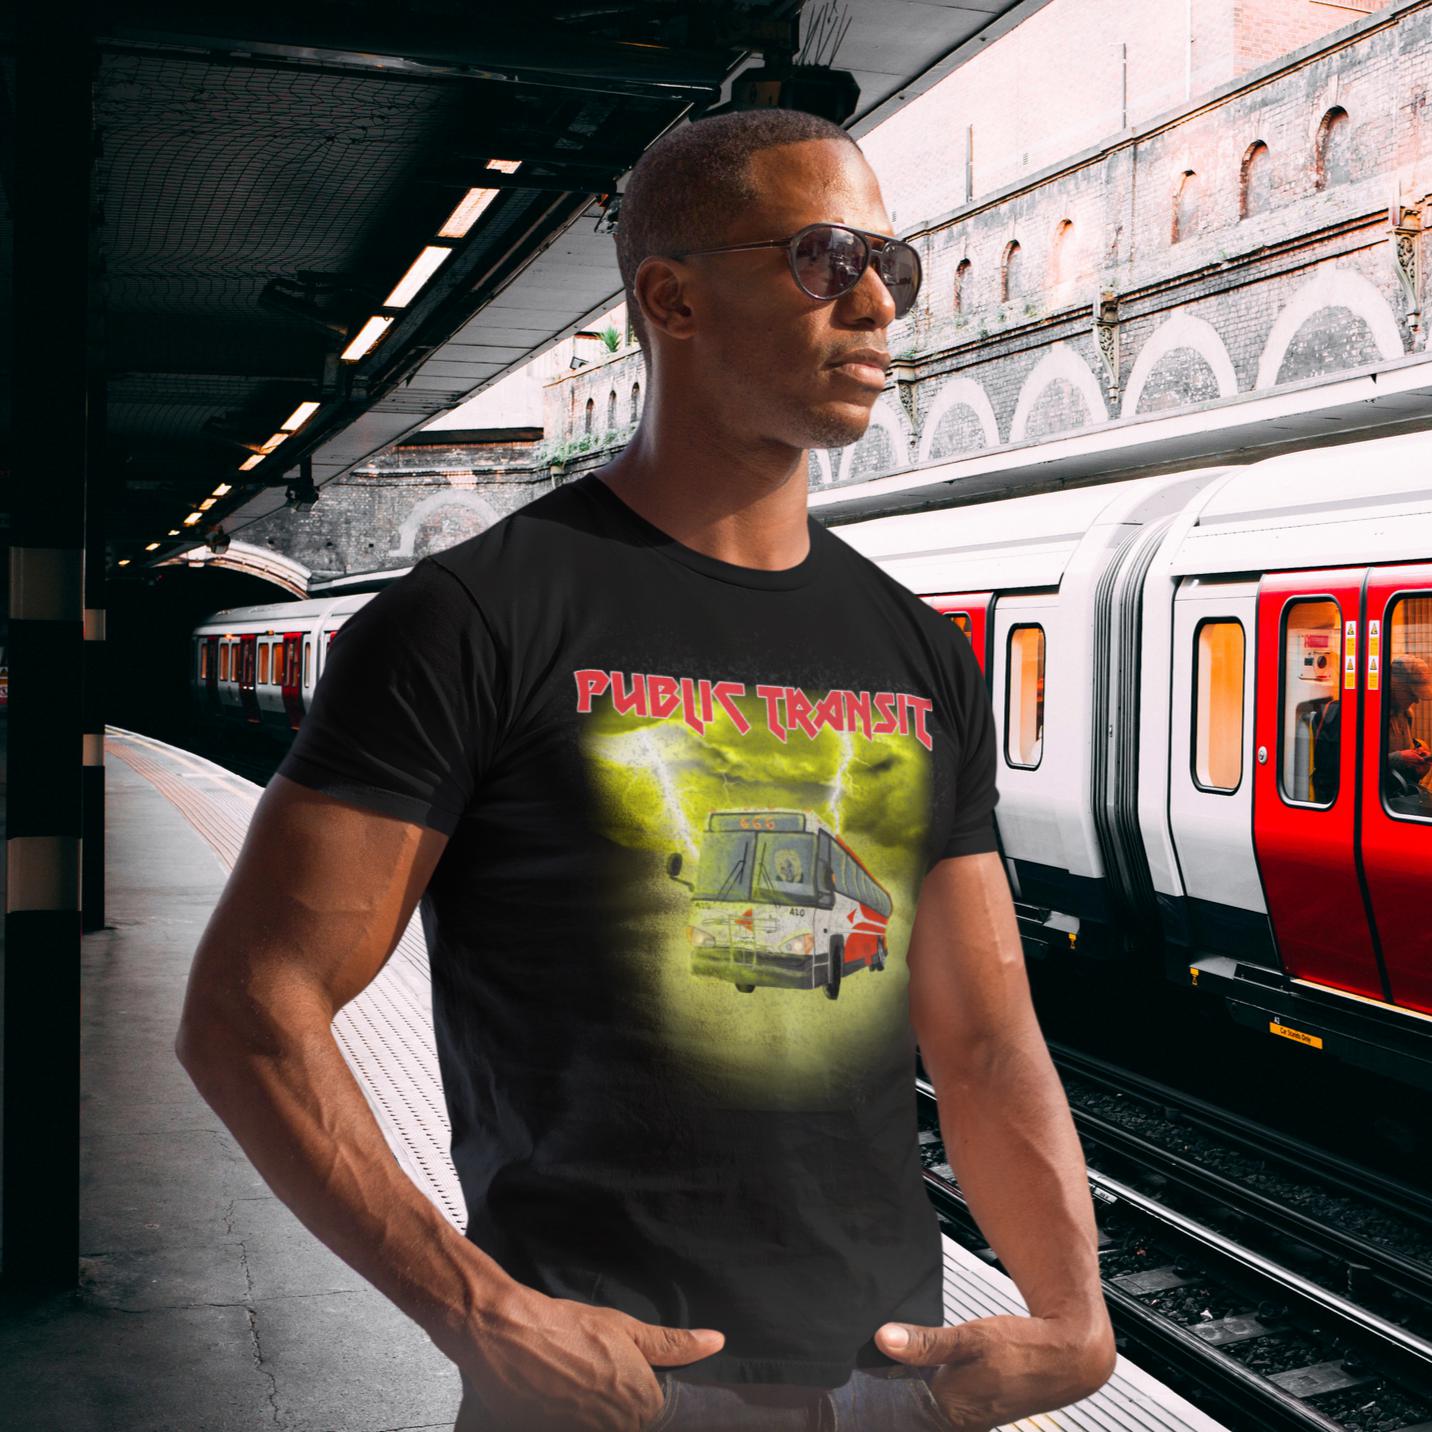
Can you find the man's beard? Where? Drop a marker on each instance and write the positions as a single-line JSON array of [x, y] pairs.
[[827, 429]]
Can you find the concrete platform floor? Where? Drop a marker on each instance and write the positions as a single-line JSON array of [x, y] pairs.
[[204, 1305]]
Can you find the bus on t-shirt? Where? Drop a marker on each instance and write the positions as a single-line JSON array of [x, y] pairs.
[[779, 899]]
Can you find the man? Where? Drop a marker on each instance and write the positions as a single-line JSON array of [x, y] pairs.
[[1409, 760], [693, 1188]]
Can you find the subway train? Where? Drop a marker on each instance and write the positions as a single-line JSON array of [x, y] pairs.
[[1213, 700]]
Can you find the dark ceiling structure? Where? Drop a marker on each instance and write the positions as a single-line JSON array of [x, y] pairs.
[[265, 175]]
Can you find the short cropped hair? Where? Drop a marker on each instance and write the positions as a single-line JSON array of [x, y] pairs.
[[686, 189]]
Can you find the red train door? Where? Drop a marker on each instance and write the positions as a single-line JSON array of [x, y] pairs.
[[1397, 776], [1305, 777], [970, 612], [290, 676]]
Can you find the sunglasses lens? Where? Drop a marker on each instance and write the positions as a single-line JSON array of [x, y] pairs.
[[829, 261], [899, 266]]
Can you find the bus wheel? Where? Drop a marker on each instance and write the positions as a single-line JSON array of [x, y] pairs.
[[745, 989], [878, 962], [837, 963]]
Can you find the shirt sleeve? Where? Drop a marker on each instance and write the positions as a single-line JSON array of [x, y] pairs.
[[971, 829], [403, 718]]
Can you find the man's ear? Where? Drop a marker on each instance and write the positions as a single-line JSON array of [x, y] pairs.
[[660, 287]]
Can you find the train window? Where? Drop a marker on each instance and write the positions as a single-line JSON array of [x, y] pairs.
[[307, 652], [1024, 697], [224, 661], [1310, 729], [1218, 704], [1407, 708], [203, 658], [263, 663], [962, 620]]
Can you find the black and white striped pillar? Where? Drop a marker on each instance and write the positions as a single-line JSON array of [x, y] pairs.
[[39, 1177]]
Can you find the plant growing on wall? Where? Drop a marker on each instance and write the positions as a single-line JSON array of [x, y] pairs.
[[612, 339]]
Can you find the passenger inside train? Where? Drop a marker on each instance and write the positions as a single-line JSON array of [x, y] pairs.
[[1409, 758]]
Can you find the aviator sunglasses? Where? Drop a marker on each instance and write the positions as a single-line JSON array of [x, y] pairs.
[[828, 260]]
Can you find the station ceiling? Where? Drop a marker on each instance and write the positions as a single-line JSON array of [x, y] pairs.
[[266, 173]]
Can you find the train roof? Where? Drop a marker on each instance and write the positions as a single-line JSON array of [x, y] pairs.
[[1024, 541], [280, 614], [1339, 504]]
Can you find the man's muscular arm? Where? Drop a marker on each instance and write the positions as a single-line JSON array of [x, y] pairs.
[[1011, 1142], [318, 899]]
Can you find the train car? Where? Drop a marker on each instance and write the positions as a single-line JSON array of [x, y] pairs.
[[779, 899], [1213, 696], [257, 666]]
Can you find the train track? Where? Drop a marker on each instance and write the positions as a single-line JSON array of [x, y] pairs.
[[1156, 1258], [1400, 1200]]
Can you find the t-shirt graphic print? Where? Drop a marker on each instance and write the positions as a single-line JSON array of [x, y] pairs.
[[690, 806], [772, 842]]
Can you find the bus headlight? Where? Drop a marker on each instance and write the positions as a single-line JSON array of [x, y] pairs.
[[698, 936], [801, 944]]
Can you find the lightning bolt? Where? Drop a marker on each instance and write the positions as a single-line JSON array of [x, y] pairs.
[[649, 742], [837, 786]]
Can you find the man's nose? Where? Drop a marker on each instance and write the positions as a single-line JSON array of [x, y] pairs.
[[873, 298]]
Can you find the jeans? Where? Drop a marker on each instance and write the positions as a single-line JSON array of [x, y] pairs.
[[884, 1399]]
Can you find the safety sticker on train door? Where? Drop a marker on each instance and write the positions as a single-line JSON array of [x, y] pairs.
[[1374, 641], [1349, 655]]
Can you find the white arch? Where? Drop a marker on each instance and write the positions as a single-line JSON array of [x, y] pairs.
[[293, 577], [1333, 288], [445, 497], [1183, 330], [1060, 361], [951, 393], [891, 418]]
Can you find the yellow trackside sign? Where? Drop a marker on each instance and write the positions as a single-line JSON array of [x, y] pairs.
[[1313, 1041]]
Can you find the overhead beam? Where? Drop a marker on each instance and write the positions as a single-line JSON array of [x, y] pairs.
[[483, 48]]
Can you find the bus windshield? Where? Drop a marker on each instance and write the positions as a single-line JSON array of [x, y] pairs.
[[785, 867], [724, 872]]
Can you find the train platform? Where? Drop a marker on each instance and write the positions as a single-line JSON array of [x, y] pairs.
[[204, 1304]]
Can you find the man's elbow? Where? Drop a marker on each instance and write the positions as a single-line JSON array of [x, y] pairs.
[[1094, 1363]]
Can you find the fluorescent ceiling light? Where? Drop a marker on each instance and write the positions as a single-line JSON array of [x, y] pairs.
[[207, 503], [123, 562], [471, 205], [275, 440], [222, 490], [251, 462], [192, 518], [172, 532], [299, 416], [422, 269], [366, 338], [467, 213], [151, 546]]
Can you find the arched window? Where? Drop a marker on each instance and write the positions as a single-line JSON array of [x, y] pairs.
[[611, 410], [1011, 273], [962, 284], [1255, 181], [1185, 206], [1061, 265], [591, 408], [635, 403], [1333, 158]]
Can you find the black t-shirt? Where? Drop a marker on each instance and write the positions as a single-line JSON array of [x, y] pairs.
[[690, 805]]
